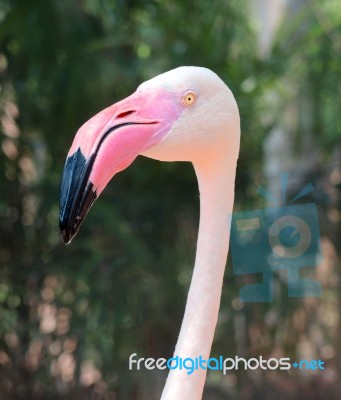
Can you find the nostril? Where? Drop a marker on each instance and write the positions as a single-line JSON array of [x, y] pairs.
[[125, 113]]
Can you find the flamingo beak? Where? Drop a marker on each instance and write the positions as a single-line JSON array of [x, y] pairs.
[[108, 143]]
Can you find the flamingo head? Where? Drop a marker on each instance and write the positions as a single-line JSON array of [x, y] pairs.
[[186, 114]]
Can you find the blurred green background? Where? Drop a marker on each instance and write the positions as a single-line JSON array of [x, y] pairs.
[[70, 316]]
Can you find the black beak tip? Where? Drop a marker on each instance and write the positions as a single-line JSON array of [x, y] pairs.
[[66, 237], [65, 233], [77, 194]]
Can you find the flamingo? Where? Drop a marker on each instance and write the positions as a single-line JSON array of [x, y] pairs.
[[185, 114]]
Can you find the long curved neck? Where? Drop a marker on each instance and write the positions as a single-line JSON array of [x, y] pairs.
[[216, 185]]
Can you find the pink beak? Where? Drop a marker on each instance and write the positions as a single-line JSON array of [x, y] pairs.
[[108, 143]]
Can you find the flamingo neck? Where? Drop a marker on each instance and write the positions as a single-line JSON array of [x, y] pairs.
[[216, 186]]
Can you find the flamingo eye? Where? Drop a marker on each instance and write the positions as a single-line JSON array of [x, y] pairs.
[[189, 98]]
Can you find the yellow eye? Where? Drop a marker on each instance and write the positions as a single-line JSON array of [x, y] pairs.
[[189, 98]]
